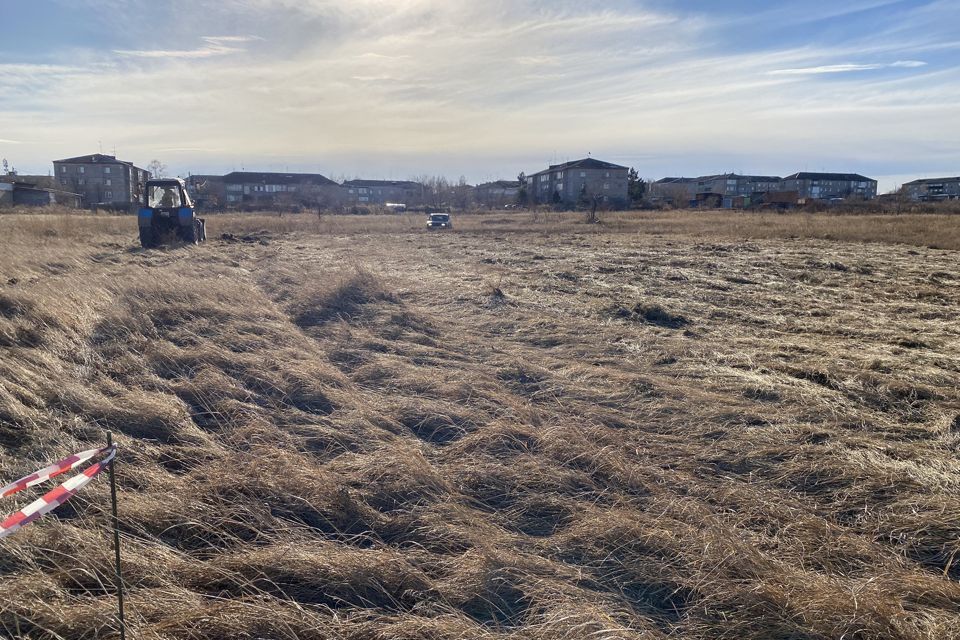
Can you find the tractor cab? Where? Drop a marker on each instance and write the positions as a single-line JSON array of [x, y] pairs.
[[167, 212]]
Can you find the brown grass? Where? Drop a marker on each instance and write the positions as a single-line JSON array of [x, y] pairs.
[[671, 425]]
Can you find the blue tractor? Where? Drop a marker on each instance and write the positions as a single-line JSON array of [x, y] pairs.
[[167, 214]]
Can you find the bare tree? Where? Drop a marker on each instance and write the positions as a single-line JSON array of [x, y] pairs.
[[462, 194], [156, 169]]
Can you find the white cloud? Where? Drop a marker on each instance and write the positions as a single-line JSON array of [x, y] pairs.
[[215, 46], [846, 68]]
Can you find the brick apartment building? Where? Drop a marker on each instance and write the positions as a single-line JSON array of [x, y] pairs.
[[578, 181], [101, 179]]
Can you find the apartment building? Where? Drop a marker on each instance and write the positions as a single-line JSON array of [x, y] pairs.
[[496, 194], [371, 192], [579, 181], [933, 189], [259, 189], [732, 184], [828, 186], [100, 179]]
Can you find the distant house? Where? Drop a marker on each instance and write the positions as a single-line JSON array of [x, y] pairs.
[[44, 182], [730, 185], [675, 191], [827, 186], [254, 190], [17, 191], [382, 191], [933, 189], [579, 181], [207, 191], [101, 179], [497, 194]]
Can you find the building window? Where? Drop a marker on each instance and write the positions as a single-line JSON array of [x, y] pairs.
[[108, 182], [82, 169], [108, 195], [559, 186], [606, 185], [106, 169], [63, 169], [63, 181], [583, 174], [606, 175]]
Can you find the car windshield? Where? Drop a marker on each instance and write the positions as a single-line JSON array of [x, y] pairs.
[[439, 217], [164, 196]]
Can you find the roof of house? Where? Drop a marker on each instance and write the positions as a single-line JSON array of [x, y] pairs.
[[500, 184], [95, 158], [738, 176], [266, 177], [32, 179], [933, 180], [675, 180], [403, 184], [585, 163], [845, 177]]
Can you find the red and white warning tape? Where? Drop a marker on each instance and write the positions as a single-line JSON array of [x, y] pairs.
[[58, 496]]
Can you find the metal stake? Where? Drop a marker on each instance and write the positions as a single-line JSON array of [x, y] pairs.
[[116, 539]]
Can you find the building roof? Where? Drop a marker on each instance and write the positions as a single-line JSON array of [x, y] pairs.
[[403, 184], [500, 184], [932, 181], [266, 177], [844, 177], [585, 163], [675, 180], [739, 176], [95, 158]]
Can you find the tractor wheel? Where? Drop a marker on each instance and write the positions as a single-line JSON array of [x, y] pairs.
[[189, 233], [147, 238]]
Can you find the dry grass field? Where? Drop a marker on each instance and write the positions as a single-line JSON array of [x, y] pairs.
[[689, 425]]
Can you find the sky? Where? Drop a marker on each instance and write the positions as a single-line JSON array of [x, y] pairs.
[[404, 88]]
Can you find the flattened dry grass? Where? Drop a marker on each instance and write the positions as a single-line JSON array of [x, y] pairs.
[[355, 429]]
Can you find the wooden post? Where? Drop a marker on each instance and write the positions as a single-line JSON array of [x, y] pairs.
[[116, 539]]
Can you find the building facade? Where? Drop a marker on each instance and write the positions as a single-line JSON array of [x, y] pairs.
[[675, 191], [207, 191], [264, 190], [828, 186], [933, 189], [731, 184], [380, 192], [101, 179], [497, 194], [580, 181]]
